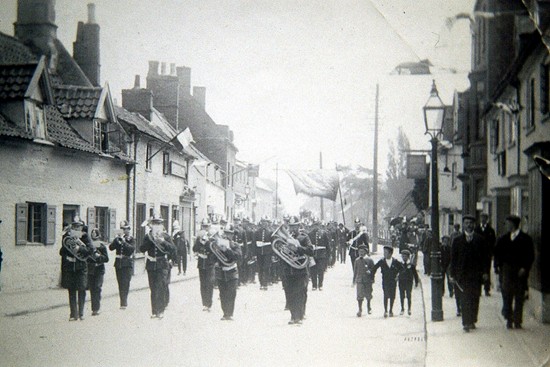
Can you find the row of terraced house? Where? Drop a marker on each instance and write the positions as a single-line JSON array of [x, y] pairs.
[[67, 150]]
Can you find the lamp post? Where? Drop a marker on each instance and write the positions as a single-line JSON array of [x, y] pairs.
[[434, 115]]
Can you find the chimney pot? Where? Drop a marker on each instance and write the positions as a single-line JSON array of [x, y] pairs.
[[137, 82], [153, 68], [163, 68], [91, 13]]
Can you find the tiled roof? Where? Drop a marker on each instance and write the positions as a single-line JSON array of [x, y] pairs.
[[13, 51], [14, 80], [77, 102], [140, 123], [8, 128], [61, 133], [68, 69]]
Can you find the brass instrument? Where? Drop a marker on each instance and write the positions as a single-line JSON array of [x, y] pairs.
[[73, 245], [216, 244], [158, 240], [285, 246]]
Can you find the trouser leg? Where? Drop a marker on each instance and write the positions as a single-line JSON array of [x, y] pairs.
[[207, 286], [81, 302], [124, 275], [72, 303], [321, 268], [519, 299]]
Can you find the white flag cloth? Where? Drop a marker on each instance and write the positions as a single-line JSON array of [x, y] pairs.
[[320, 182], [185, 137]]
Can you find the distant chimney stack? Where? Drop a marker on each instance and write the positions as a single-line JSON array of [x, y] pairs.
[[184, 79], [91, 13], [172, 69], [137, 82], [163, 68], [153, 68], [199, 93]]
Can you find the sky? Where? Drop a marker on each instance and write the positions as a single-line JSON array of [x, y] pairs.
[[291, 78]]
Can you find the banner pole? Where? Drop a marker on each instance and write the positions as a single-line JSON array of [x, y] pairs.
[[342, 204]]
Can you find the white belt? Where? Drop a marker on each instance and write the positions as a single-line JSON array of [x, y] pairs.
[[121, 256], [71, 259], [227, 268], [151, 258], [262, 244], [203, 256]]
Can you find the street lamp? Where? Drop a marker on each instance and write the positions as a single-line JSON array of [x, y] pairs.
[[434, 115]]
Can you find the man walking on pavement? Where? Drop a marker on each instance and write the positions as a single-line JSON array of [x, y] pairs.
[[488, 233], [468, 260], [514, 255]]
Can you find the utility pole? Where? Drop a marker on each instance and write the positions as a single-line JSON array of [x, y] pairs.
[[375, 179], [321, 167], [276, 190]]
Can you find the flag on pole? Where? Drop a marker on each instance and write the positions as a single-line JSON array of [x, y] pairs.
[[320, 182], [185, 137]]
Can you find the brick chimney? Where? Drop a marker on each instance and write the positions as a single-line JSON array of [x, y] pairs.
[[35, 27], [199, 93], [165, 90], [138, 100], [184, 78], [86, 47]]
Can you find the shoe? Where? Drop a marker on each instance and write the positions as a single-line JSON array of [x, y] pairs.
[[95, 313], [409, 312], [313, 289], [391, 314], [359, 314], [487, 294], [320, 288], [179, 273], [229, 318], [81, 318], [402, 312], [292, 322], [73, 319], [122, 307], [298, 322], [473, 326], [370, 311], [154, 316], [160, 315], [205, 308], [466, 328], [518, 326], [509, 325], [385, 314]]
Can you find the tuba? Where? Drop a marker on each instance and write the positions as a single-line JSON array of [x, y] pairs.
[[362, 229], [285, 247], [71, 243], [215, 241]]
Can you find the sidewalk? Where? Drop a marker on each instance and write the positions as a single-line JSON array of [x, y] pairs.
[[22, 303], [491, 344]]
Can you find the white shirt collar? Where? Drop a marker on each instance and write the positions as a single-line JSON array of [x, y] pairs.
[[389, 261], [514, 234]]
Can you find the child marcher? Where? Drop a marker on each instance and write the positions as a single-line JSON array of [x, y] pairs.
[[390, 269], [405, 279], [364, 276]]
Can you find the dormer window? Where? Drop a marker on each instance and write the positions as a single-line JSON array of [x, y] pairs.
[[34, 119], [101, 138]]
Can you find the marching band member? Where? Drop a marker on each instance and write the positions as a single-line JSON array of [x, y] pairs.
[[205, 264], [321, 243], [262, 240], [124, 245], [74, 270], [182, 244], [296, 280], [390, 269], [364, 277], [96, 270], [356, 238], [240, 239], [249, 255], [227, 273], [160, 249]]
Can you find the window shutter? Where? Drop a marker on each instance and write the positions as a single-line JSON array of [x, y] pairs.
[[21, 217], [50, 224], [112, 224], [91, 218]]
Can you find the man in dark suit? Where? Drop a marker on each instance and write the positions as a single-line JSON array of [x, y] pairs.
[[468, 266], [390, 269], [514, 255], [485, 230]]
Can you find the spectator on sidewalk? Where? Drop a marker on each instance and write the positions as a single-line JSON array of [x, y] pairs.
[[364, 277], [514, 255], [182, 246], [390, 269], [488, 233], [406, 276], [468, 260]]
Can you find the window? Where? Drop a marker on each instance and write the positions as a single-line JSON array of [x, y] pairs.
[[451, 220], [34, 120], [480, 93], [453, 175], [544, 89], [510, 121], [164, 213], [35, 223], [101, 141], [102, 222], [148, 154], [166, 163], [502, 164], [531, 104], [495, 135]]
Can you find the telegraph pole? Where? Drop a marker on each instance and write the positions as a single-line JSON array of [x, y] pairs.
[[276, 190], [322, 217], [375, 179]]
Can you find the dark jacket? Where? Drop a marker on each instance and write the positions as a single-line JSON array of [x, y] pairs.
[[157, 258], [510, 257], [363, 239], [320, 239], [407, 274], [262, 241], [96, 262], [206, 259], [124, 247], [389, 274], [69, 262], [364, 270], [181, 243], [468, 259], [229, 271], [304, 248]]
